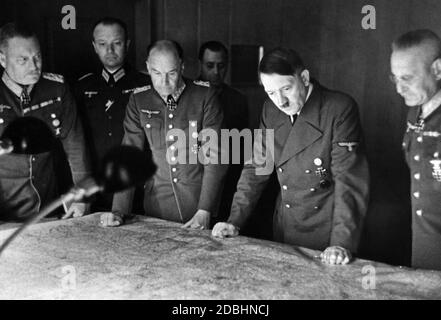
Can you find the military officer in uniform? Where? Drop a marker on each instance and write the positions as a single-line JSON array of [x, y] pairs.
[[416, 72], [320, 163], [182, 190], [103, 96], [213, 58], [28, 182]]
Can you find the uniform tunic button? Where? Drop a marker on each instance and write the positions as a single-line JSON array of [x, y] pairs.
[[53, 115], [33, 158], [194, 135], [280, 170], [312, 189], [417, 176], [170, 126], [171, 138], [148, 126], [419, 213], [307, 171], [420, 139], [285, 187], [170, 116], [172, 147], [193, 124], [416, 194], [288, 206], [316, 208], [110, 134], [173, 159], [175, 180], [403, 144], [56, 123], [417, 157], [1, 120], [174, 169]]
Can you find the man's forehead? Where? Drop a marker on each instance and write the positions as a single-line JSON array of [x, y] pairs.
[[213, 56], [19, 44], [276, 81], [108, 31]]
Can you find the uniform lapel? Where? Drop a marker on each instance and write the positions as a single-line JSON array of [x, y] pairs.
[[306, 130]]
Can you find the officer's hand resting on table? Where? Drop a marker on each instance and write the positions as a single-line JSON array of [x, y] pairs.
[[111, 219], [77, 209], [224, 229], [200, 220], [336, 255]]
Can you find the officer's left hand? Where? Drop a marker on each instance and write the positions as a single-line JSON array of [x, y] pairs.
[[200, 220], [77, 209], [336, 255]]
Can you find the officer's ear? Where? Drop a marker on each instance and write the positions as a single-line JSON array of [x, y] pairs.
[[304, 75], [3, 60], [435, 69], [94, 46], [127, 45]]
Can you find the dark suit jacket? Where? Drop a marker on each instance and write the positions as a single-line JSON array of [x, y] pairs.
[[327, 129], [178, 189]]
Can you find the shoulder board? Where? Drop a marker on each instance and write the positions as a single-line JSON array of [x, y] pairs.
[[53, 77], [202, 83], [141, 89], [85, 76]]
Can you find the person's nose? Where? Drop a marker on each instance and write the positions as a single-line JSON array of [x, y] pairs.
[[34, 64], [279, 98], [165, 80], [110, 48], [401, 88], [216, 70]]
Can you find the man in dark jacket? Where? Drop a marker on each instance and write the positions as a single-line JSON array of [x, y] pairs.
[[416, 72], [169, 119], [29, 182], [320, 163]]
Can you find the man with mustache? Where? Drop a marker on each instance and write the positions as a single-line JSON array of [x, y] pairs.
[[28, 182], [103, 95], [319, 160], [416, 72]]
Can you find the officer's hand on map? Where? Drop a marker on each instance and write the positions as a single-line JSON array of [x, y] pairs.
[[76, 209], [336, 255], [200, 220], [111, 219], [224, 229]]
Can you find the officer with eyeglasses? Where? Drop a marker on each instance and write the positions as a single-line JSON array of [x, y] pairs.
[[416, 72]]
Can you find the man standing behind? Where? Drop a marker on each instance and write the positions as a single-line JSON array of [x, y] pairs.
[[28, 182], [180, 191], [416, 73], [213, 58], [320, 163], [103, 96]]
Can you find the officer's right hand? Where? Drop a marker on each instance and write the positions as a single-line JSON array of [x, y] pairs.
[[224, 229], [111, 219]]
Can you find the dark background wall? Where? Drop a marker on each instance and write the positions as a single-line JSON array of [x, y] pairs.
[[327, 33]]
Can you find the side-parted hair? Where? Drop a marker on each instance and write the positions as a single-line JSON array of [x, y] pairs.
[[214, 46], [167, 45], [416, 38], [12, 30], [282, 61], [110, 21]]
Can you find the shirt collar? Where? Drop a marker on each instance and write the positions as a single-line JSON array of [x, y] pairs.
[[14, 86], [430, 106], [117, 75]]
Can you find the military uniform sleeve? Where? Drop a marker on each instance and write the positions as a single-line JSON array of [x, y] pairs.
[[72, 138], [214, 171], [133, 136], [351, 176], [253, 178]]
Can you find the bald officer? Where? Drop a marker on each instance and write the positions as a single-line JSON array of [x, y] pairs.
[[416, 72], [320, 163], [103, 95], [181, 190], [29, 182]]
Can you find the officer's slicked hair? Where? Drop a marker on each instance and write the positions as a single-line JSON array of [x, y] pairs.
[[417, 38], [167, 45], [110, 21], [214, 46], [282, 61], [12, 30]]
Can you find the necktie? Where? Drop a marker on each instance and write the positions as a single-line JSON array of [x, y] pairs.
[[171, 103], [111, 81], [25, 99]]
